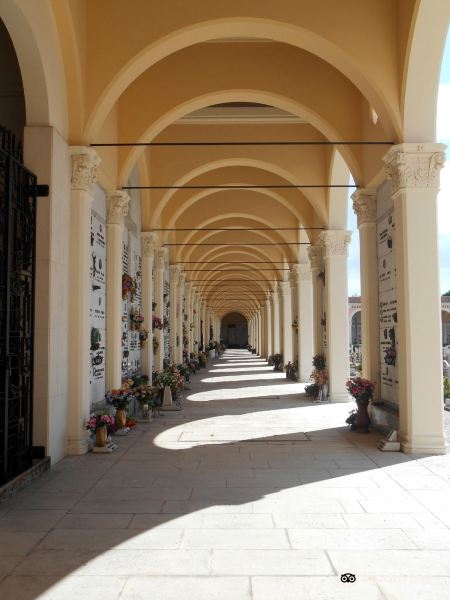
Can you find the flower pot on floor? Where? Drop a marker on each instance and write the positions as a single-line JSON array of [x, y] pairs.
[[100, 436], [121, 418], [362, 420]]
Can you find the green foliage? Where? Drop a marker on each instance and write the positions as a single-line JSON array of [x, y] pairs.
[[446, 387]]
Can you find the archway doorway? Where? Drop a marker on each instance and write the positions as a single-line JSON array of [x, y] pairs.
[[234, 330]]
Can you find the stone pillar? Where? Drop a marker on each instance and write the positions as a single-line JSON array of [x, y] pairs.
[[148, 244], [118, 204], [365, 207], [180, 318], [197, 340], [85, 162], [47, 154], [160, 263], [414, 172], [175, 273], [335, 244], [293, 277], [262, 317], [188, 313], [315, 258], [276, 323], [203, 318], [285, 289], [269, 327], [260, 333], [306, 321]]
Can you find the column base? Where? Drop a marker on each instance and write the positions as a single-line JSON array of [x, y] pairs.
[[78, 446], [340, 397], [426, 444]]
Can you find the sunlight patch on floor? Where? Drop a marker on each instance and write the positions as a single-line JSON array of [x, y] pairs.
[[256, 377]]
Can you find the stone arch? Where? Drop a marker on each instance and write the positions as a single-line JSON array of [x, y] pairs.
[[422, 70], [215, 29], [35, 39]]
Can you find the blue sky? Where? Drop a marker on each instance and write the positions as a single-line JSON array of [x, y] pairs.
[[443, 135]]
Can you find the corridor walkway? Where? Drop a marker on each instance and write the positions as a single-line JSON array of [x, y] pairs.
[[250, 492]]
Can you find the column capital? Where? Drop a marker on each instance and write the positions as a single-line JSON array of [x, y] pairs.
[[284, 287], [85, 163], [149, 240], [414, 165], [187, 287], [175, 272], [365, 205], [315, 256], [182, 278], [335, 242], [161, 257], [118, 205]]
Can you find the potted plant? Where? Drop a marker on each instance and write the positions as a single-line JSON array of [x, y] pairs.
[[275, 360], [128, 286], [156, 323], [120, 399], [146, 396], [143, 337], [98, 423], [136, 320], [362, 390], [319, 389]]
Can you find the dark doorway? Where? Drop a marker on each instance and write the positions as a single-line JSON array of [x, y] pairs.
[[234, 330]]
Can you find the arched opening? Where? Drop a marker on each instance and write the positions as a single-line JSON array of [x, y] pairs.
[[355, 334], [445, 328], [234, 330], [12, 99]]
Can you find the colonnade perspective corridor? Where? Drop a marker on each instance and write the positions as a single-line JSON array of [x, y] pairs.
[[175, 181], [249, 493]]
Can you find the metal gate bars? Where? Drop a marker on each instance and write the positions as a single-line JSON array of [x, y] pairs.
[[17, 258]]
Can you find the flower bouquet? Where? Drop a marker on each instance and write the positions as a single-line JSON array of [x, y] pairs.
[[156, 323], [99, 423], [120, 399], [128, 286], [362, 390], [136, 320], [143, 337]]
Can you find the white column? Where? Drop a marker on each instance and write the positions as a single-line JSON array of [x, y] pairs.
[[188, 313], [46, 153], [260, 338], [180, 318], [414, 172], [148, 244], [315, 257], [293, 277], [173, 319], [160, 263], [269, 327], [262, 316], [335, 244], [365, 207], [118, 203], [285, 288], [197, 339], [276, 323], [203, 318], [305, 319], [85, 162]]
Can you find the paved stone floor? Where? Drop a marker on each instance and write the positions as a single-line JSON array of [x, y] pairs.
[[251, 492]]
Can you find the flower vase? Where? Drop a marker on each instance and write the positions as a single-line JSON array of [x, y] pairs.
[[121, 418], [100, 436], [145, 411], [362, 420]]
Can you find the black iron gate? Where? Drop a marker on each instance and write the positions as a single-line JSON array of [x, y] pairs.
[[17, 258]]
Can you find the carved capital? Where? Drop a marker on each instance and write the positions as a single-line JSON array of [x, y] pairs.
[[284, 288], [160, 258], [85, 162], [315, 256], [148, 244], [118, 205], [414, 165], [175, 273], [182, 278], [365, 206], [335, 242], [304, 272]]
